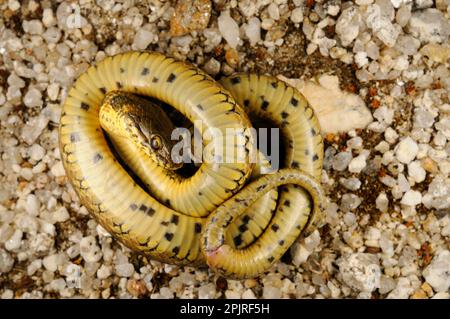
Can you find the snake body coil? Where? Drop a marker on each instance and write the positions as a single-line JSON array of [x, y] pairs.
[[212, 216]]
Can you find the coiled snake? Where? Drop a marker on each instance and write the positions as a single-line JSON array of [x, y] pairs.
[[238, 229]]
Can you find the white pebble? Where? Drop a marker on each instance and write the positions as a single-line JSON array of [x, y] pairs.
[[411, 198], [15, 241], [124, 270], [36, 152], [229, 29], [33, 98], [382, 202], [406, 150], [297, 15], [416, 172]]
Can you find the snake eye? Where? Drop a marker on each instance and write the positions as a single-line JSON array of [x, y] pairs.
[[155, 142]]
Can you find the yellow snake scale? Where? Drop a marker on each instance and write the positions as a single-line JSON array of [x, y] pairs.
[[215, 199]]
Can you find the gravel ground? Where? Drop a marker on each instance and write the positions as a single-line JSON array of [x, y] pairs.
[[386, 231]]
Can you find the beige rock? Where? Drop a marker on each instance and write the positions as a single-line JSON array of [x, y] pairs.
[[337, 111], [437, 53]]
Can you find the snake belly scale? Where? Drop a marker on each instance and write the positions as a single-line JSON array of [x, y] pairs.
[[191, 228]]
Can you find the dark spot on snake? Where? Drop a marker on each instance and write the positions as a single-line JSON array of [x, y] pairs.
[[270, 259], [103, 90], [243, 228], [295, 164], [284, 123], [313, 131], [237, 240], [151, 211], [306, 152], [214, 219], [260, 188], [145, 71], [200, 193], [284, 114], [74, 137], [174, 219], [287, 203], [275, 227], [167, 202], [246, 103], [315, 157], [168, 236], [175, 250], [171, 78], [246, 219], [291, 144], [143, 208], [133, 207], [199, 106], [122, 70], [198, 228], [84, 106], [264, 105], [119, 85], [274, 85], [97, 157], [165, 223], [235, 80], [281, 242], [155, 79], [294, 101]]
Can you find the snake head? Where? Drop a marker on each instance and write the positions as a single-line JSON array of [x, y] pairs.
[[142, 122], [155, 140]]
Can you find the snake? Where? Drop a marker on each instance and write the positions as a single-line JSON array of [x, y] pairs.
[[224, 216]]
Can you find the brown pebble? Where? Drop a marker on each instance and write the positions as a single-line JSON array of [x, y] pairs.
[[429, 165], [190, 15], [232, 57], [221, 283], [136, 287], [250, 283]]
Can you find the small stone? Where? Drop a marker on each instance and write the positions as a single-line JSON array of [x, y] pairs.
[[89, 249], [104, 272], [248, 294], [360, 271], [53, 91], [58, 169], [436, 52], [270, 292], [136, 287], [124, 270], [253, 30], [351, 183], [190, 15], [36, 152], [347, 25], [402, 290], [207, 291], [6, 261], [212, 67], [52, 262], [406, 150], [32, 205], [416, 171], [403, 15], [297, 15], [437, 274], [33, 98], [341, 161], [143, 38], [34, 127], [33, 27], [430, 25], [357, 164], [15, 241], [61, 215], [411, 198], [229, 29], [387, 284], [350, 202]]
